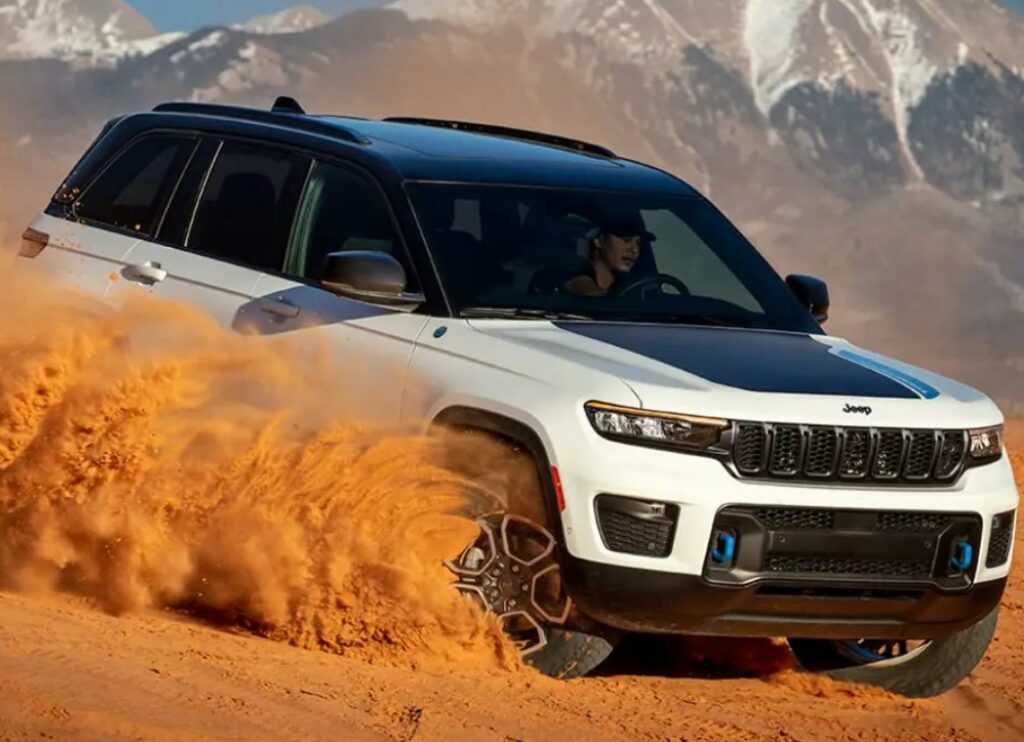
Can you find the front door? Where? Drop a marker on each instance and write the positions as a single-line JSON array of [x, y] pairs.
[[371, 345]]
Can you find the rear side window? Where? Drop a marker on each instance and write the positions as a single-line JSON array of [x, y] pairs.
[[133, 191], [246, 211]]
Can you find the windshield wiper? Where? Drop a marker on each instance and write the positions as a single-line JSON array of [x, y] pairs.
[[518, 313]]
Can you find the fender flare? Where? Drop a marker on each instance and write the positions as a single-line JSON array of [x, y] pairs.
[[514, 431]]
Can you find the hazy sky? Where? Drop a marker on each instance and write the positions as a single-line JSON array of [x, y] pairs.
[[186, 15]]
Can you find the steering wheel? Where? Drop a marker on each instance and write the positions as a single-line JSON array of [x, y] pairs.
[[661, 279]]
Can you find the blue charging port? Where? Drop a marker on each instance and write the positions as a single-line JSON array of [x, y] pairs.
[[963, 556], [724, 549]]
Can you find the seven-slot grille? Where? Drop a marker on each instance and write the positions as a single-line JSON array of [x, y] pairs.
[[806, 452]]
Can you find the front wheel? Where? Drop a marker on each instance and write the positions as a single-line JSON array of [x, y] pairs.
[[916, 670], [511, 570]]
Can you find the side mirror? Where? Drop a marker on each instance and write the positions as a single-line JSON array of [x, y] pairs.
[[374, 277], [812, 293]]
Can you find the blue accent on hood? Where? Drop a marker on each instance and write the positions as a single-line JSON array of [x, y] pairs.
[[758, 361], [926, 391]]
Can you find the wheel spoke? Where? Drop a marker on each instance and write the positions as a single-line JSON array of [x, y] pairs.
[[512, 572]]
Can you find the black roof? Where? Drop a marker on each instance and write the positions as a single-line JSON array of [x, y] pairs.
[[435, 150]]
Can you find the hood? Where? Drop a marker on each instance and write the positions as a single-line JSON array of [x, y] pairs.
[[756, 374]]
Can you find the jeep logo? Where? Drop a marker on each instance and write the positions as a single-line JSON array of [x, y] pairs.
[[857, 410]]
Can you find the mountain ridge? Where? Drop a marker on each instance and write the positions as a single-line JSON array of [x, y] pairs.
[[916, 214]]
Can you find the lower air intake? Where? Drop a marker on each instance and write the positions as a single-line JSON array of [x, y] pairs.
[[633, 526], [1000, 540], [842, 566]]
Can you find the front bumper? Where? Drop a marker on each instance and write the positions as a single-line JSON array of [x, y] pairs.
[[680, 591], [699, 488], [647, 601]]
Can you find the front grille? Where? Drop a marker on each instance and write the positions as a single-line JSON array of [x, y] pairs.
[[842, 566], [809, 453], [632, 527]]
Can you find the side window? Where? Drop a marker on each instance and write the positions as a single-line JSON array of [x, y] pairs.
[[246, 210], [680, 252], [343, 210], [132, 192]]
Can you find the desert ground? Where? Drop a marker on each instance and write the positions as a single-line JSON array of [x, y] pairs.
[[182, 560], [70, 670]]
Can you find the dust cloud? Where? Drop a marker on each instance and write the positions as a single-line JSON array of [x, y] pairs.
[[150, 459]]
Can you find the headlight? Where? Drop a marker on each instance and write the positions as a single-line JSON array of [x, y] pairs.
[[655, 428], [986, 443]]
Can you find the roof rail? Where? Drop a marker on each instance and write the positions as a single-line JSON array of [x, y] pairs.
[[280, 116], [552, 140]]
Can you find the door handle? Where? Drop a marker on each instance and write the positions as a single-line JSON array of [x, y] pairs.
[[281, 308], [145, 273]]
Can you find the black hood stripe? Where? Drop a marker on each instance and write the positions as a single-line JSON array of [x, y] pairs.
[[757, 361]]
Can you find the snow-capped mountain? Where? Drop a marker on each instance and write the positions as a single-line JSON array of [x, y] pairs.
[[886, 65], [877, 142], [290, 20], [86, 31]]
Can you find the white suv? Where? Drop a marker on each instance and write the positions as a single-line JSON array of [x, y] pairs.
[[707, 459]]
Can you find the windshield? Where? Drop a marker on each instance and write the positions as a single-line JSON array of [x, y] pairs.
[[626, 257]]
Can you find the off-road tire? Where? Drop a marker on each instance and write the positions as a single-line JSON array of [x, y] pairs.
[[572, 654], [933, 670], [577, 646]]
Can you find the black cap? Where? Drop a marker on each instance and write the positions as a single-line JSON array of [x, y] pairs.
[[624, 225]]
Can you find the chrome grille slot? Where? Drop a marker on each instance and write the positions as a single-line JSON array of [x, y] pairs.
[[822, 449], [951, 453], [855, 461], [750, 448], [924, 445], [888, 454], [787, 450]]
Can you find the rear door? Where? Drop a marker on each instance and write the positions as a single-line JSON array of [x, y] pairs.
[[342, 209], [123, 204], [230, 221]]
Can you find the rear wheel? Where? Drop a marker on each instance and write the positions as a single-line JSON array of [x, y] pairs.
[[511, 570], [914, 669]]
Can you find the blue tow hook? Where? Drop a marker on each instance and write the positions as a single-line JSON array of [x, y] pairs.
[[963, 556], [724, 549]]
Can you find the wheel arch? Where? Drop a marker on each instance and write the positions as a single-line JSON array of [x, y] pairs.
[[513, 431]]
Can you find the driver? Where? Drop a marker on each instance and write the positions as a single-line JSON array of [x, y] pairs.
[[614, 252]]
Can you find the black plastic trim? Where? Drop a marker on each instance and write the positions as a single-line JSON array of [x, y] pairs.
[[664, 602], [471, 418]]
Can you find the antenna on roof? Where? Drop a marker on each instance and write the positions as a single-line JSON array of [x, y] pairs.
[[285, 104]]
